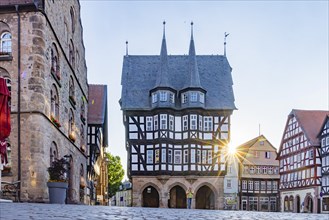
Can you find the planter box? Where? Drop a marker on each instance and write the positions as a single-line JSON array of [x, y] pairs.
[[57, 192]]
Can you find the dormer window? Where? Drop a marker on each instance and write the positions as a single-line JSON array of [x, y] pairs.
[[201, 97], [194, 96], [154, 97], [171, 97], [163, 96], [184, 98]]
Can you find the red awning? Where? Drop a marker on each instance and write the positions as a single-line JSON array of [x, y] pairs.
[[4, 117]]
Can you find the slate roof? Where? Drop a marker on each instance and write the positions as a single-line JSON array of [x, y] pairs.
[[97, 105], [310, 122], [139, 75]]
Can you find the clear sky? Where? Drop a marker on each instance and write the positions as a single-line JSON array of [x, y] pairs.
[[278, 51]]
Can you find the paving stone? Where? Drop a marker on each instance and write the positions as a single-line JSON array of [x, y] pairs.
[[20, 211]]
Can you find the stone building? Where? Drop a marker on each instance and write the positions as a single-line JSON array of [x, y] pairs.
[[300, 161], [123, 196], [259, 175], [176, 112], [43, 58]]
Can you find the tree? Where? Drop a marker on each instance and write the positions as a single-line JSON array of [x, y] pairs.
[[115, 173]]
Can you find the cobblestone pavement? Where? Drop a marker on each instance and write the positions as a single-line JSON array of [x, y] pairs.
[[20, 211]]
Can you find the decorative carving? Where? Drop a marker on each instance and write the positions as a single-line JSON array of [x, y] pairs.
[[191, 179], [163, 179]]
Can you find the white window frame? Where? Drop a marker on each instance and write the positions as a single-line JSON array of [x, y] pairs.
[[244, 184], [267, 154], [171, 122], [207, 125], [169, 155], [185, 122], [149, 157], [163, 96], [149, 123], [201, 97], [193, 122], [229, 183], [163, 121], [185, 156], [154, 97], [192, 155], [200, 123], [177, 156], [155, 121], [171, 97], [184, 97], [193, 96], [163, 156], [6, 43]]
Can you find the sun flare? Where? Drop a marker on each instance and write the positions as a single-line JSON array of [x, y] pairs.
[[231, 150]]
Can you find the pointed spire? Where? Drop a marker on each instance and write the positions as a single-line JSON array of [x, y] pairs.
[[162, 79], [126, 48], [193, 66]]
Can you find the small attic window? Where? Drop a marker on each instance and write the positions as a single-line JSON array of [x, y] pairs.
[[194, 97], [154, 97], [201, 97], [163, 96], [184, 97], [171, 97]]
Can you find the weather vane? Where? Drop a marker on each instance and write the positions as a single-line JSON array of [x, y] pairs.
[[225, 35]]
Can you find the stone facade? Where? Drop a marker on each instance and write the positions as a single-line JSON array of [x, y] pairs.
[[164, 184], [44, 29]]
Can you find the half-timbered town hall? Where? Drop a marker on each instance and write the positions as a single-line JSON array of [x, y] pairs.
[[300, 162], [176, 112]]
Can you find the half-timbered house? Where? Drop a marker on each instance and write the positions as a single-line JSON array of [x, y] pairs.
[[324, 138], [300, 162], [176, 112], [97, 141], [258, 175]]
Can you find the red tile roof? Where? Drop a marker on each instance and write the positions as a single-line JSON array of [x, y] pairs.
[[311, 122], [97, 106]]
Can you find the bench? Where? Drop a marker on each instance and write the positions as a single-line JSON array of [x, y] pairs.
[[9, 190]]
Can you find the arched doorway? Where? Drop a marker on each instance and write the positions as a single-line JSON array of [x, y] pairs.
[[286, 204], [297, 204], [309, 204], [150, 197], [205, 198], [291, 204], [177, 197]]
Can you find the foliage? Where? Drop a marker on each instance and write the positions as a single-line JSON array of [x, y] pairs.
[[58, 170], [115, 173]]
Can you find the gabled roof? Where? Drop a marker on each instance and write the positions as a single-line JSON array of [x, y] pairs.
[[310, 122], [139, 75], [97, 105], [326, 120], [243, 149]]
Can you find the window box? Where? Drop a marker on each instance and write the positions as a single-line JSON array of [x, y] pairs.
[[4, 53], [72, 100], [5, 56], [55, 121]]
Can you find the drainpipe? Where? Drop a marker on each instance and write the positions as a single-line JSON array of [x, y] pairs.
[[19, 101]]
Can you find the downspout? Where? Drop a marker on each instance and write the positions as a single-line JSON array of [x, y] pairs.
[[19, 101]]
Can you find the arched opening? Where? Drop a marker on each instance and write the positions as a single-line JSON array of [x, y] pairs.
[[205, 198], [297, 204], [286, 204], [309, 204], [177, 197], [150, 197], [291, 203]]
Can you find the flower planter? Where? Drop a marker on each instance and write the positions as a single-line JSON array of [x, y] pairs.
[[57, 192]]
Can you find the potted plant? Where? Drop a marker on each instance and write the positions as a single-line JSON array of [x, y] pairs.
[[58, 181]]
